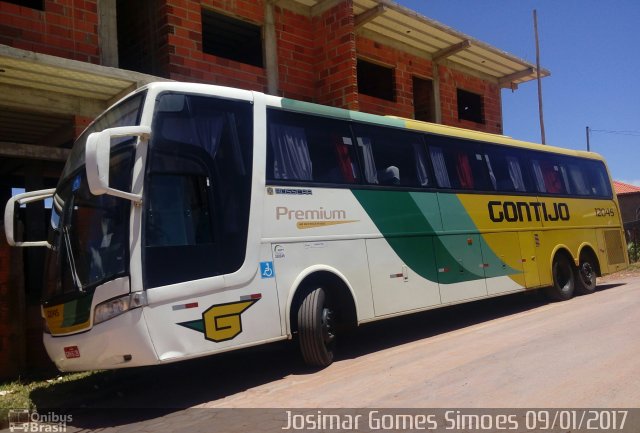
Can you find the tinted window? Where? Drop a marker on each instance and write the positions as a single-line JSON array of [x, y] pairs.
[[309, 148], [458, 164], [391, 156], [550, 174], [198, 189], [507, 168], [597, 179]]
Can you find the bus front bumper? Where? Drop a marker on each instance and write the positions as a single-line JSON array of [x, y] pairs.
[[117, 343]]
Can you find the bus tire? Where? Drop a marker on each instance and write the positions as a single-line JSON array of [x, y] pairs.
[[563, 279], [316, 332], [586, 275]]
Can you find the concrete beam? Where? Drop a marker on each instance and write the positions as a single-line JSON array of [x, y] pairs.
[[30, 151], [508, 80], [41, 101], [450, 51], [369, 15], [322, 6]]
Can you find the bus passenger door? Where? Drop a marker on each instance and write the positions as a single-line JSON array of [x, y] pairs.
[[460, 267], [399, 285], [529, 247]]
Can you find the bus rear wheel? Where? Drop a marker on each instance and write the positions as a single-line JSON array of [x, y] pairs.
[[563, 279], [316, 329], [586, 276]]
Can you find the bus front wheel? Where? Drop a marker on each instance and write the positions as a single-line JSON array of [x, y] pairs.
[[316, 329], [563, 279]]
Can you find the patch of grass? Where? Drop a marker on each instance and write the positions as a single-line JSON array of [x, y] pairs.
[[64, 390]]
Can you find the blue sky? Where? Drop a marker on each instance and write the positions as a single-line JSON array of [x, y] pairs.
[[590, 47]]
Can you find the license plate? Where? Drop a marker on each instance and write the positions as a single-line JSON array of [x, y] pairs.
[[71, 352]]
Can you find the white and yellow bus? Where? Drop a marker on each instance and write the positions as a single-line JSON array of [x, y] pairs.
[[194, 219]]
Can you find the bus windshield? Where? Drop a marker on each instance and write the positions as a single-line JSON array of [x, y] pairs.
[[88, 233]]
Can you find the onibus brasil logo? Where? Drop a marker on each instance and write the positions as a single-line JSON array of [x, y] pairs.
[[23, 420]]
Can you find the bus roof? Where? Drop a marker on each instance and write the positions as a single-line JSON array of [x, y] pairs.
[[341, 113]]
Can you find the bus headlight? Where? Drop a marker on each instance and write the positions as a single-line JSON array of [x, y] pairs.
[[114, 307]]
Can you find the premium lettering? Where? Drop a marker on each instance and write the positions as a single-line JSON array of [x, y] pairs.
[[521, 211], [283, 212]]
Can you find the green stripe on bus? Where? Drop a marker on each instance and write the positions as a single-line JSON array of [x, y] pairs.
[[340, 113], [77, 311], [410, 223]]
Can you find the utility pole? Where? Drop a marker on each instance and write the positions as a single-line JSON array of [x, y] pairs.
[[535, 27], [588, 144]]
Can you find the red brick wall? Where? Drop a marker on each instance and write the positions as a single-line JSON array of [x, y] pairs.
[[629, 203], [450, 81], [296, 55], [187, 62], [406, 66], [142, 36], [335, 52], [11, 288], [66, 28]]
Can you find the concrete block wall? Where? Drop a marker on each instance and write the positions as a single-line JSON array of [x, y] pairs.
[[65, 28]]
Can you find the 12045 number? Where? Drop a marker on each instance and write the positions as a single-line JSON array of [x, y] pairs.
[[605, 212]]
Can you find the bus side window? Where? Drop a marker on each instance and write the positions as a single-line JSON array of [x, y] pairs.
[[309, 149], [459, 164], [392, 157], [577, 177], [505, 171], [440, 167], [597, 179], [550, 176]]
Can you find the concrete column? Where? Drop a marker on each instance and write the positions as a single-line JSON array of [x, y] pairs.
[[270, 49], [108, 33], [436, 93]]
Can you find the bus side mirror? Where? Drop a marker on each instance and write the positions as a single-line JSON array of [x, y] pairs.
[[12, 216], [98, 156]]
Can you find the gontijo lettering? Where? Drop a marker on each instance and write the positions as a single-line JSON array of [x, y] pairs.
[[519, 211]]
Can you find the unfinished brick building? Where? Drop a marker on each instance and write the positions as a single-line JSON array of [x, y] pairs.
[[63, 61]]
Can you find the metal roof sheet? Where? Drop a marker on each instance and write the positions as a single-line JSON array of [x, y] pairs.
[[391, 23], [406, 26]]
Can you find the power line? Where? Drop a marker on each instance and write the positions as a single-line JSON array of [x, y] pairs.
[[609, 131]]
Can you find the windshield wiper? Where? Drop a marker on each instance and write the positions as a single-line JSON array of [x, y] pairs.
[[70, 258]]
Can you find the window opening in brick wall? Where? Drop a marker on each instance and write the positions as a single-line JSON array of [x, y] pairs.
[[138, 36], [233, 39], [470, 106], [423, 100], [375, 80], [33, 4]]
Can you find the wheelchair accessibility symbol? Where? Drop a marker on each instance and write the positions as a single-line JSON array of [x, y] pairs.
[[266, 270]]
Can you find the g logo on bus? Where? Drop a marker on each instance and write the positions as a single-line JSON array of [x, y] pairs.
[[221, 322]]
